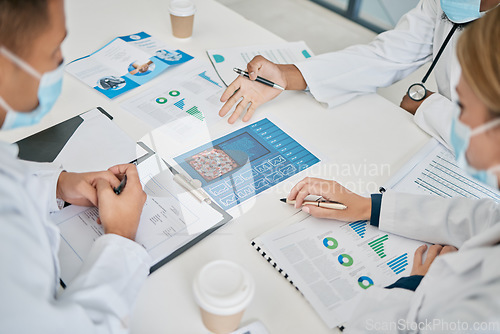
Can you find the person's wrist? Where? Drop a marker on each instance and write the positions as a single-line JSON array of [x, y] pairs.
[[366, 208], [292, 76], [60, 185]]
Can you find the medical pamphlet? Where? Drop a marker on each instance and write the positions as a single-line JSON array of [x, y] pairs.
[[224, 60], [125, 63]]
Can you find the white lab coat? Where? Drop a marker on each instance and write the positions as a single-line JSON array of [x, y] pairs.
[[337, 77], [460, 289], [100, 298]]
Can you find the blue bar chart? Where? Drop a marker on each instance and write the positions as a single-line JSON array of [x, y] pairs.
[[399, 264], [359, 227]]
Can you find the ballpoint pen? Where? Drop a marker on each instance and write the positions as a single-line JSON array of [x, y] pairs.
[[321, 203], [259, 79], [118, 190]]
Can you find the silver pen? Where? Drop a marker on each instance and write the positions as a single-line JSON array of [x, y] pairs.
[[259, 79]]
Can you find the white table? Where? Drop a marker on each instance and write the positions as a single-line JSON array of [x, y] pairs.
[[365, 134]]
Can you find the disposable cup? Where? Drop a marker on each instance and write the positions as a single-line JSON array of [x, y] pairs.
[[182, 17], [223, 290]]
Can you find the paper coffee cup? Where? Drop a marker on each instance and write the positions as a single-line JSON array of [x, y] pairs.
[[182, 17], [223, 290]]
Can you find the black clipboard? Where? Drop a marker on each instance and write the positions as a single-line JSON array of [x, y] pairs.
[[45, 146]]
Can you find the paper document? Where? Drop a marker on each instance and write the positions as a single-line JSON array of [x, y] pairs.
[[125, 63], [332, 263], [170, 219], [182, 103], [434, 171], [224, 60]]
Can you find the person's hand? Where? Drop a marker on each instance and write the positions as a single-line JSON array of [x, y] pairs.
[[421, 267], [358, 207], [252, 94], [120, 214], [79, 188], [411, 105]]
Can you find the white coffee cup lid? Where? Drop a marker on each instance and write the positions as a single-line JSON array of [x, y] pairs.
[[223, 288], [182, 7]]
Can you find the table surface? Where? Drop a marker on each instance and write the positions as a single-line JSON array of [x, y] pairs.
[[361, 144]]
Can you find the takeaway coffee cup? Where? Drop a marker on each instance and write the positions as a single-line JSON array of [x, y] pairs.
[[182, 17], [223, 290]]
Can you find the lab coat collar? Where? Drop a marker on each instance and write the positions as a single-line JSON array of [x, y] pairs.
[[481, 251]]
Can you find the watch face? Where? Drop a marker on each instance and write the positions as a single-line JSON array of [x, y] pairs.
[[417, 92]]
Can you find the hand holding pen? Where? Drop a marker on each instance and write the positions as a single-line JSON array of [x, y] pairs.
[[120, 207], [338, 202], [247, 93]]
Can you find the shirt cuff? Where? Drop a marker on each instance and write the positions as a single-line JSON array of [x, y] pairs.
[[408, 283], [376, 206]]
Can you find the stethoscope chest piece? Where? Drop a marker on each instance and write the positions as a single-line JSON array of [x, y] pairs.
[[417, 92]]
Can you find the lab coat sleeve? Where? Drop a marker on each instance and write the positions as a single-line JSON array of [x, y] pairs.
[[335, 78], [104, 292], [380, 310], [99, 300], [434, 116], [433, 219], [45, 183]]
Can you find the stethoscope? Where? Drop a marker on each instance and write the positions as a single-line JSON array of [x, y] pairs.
[[417, 91]]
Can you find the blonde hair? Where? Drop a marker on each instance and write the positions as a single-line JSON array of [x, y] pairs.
[[478, 51]]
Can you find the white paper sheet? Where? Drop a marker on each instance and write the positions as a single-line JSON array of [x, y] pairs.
[[433, 171]]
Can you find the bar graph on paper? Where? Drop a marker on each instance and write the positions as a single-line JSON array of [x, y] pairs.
[[378, 245], [359, 227], [206, 77], [399, 264]]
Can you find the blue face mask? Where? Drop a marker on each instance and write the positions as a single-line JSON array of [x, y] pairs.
[[460, 138], [49, 90], [461, 11]]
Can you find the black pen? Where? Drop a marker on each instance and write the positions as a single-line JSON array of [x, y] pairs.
[[259, 79], [118, 190]]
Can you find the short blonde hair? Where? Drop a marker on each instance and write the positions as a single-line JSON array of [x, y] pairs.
[[478, 51]]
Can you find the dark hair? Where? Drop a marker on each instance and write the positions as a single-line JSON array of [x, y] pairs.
[[21, 21]]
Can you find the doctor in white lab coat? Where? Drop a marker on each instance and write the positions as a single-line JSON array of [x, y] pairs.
[[450, 291], [335, 78], [101, 297]]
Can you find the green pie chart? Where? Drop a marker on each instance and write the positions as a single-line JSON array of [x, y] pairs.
[[345, 260]]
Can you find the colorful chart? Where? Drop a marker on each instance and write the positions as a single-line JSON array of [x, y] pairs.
[[161, 100], [174, 93], [378, 246], [359, 227], [180, 104], [330, 243], [194, 111], [345, 260], [262, 155], [365, 282], [206, 77], [399, 264]]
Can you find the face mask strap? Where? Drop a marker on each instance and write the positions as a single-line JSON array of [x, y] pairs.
[[485, 127], [19, 62]]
